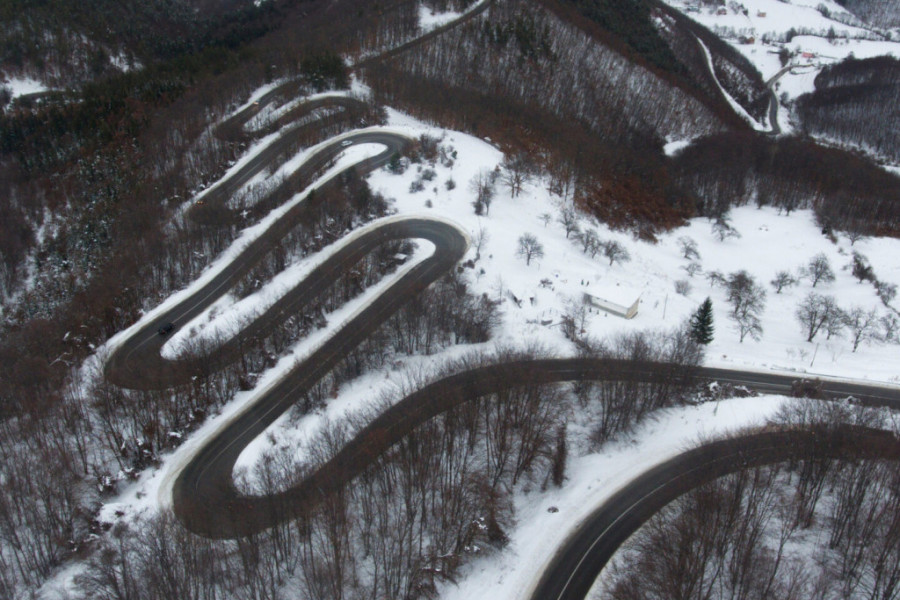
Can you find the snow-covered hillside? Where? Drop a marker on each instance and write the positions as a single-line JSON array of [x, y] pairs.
[[814, 34], [536, 296]]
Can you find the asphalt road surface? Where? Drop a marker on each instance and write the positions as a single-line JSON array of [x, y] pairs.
[[208, 504]]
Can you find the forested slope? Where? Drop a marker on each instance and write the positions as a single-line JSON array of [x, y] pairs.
[[878, 13], [66, 43], [855, 103]]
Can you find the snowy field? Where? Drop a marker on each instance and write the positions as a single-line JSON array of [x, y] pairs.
[[19, 86], [769, 243], [548, 288]]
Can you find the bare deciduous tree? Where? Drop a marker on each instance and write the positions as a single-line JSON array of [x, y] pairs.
[[692, 268], [568, 218], [723, 230], [482, 185], [815, 311], [688, 248], [818, 270], [782, 280], [861, 324], [590, 242], [516, 171], [615, 252], [529, 248], [747, 300]]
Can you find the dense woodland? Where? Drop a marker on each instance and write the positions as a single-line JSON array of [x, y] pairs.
[[91, 235], [65, 45], [874, 12], [847, 192], [855, 104]]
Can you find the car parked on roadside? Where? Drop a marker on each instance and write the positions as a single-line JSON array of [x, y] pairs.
[[165, 328]]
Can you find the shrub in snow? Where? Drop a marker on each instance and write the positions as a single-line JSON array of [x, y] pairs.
[[782, 280], [688, 248], [818, 270], [692, 268], [396, 165], [861, 268], [715, 278], [890, 324], [723, 230], [886, 291]]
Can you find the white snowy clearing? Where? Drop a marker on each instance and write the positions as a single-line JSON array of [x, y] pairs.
[[19, 86], [430, 19], [546, 289]]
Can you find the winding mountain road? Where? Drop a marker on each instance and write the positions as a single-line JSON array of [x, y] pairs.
[[204, 496]]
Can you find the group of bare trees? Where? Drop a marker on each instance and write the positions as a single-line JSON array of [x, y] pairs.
[[619, 403], [816, 527], [589, 240], [436, 498], [420, 510], [851, 105], [847, 192], [819, 312]]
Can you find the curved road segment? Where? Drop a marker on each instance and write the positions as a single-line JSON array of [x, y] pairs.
[[575, 568]]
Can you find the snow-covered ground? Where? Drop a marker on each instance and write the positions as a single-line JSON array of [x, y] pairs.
[[547, 288], [19, 86], [769, 242], [429, 19], [773, 17]]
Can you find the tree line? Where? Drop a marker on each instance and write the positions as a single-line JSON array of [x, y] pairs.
[[853, 104], [845, 191]]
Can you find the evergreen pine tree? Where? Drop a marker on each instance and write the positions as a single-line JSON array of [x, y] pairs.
[[702, 323]]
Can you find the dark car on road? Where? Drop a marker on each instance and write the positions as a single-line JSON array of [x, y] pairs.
[[165, 329]]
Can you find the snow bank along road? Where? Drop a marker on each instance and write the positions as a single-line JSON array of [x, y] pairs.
[[204, 497]]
